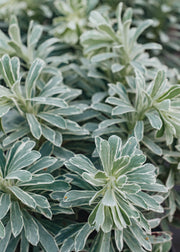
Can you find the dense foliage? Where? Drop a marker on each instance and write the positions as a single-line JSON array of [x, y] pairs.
[[89, 125]]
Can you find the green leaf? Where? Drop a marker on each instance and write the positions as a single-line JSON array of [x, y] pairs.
[[108, 30], [22, 131], [33, 75], [170, 182], [34, 34], [44, 47], [78, 195], [119, 163], [171, 93], [5, 241], [58, 185], [105, 244], [143, 168], [47, 240], [103, 149], [19, 48], [15, 62], [123, 109], [51, 101], [16, 218], [139, 178], [117, 67], [13, 244], [154, 119], [159, 79], [152, 146], [160, 237], [39, 179], [136, 200], [96, 195], [5, 204], [131, 188], [68, 111], [2, 230], [131, 242], [151, 202], [46, 148], [25, 160], [42, 163], [40, 200], [83, 163], [4, 109], [68, 245], [2, 161], [155, 188], [48, 213], [68, 231], [117, 218], [143, 25], [90, 179], [152, 46], [119, 239], [109, 198], [6, 70], [115, 143], [5, 91], [108, 222], [130, 147], [34, 125], [170, 132], [19, 175], [53, 119], [14, 31], [24, 197], [121, 181], [21, 155], [109, 122], [81, 237], [96, 212], [126, 211], [127, 15], [165, 247], [100, 175], [51, 135], [140, 235], [24, 246], [139, 130], [144, 223], [31, 228], [96, 18], [102, 243], [103, 56], [102, 107]]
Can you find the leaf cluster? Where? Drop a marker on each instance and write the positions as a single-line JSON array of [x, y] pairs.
[[89, 127]]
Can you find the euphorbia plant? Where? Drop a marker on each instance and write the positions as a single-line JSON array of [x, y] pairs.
[[22, 176], [39, 108], [119, 191], [89, 132]]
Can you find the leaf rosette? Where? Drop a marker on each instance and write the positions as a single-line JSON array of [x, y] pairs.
[[22, 176], [158, 102], [121, 189], [44, 106], [72, 20]]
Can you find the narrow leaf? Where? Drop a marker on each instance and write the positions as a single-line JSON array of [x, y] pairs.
[[16, 218], [33, 75], [31, 228], [24, 197], [34, 125]]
